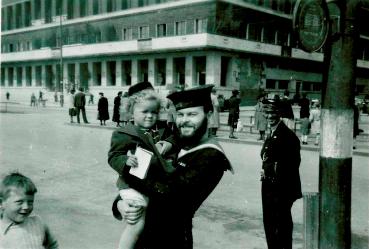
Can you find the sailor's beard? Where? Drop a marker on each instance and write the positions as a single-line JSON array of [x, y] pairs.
[[194, 139]]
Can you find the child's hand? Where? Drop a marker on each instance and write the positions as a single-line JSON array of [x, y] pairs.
[[164, 147], [132, 160]]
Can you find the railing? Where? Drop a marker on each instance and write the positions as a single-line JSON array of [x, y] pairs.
[[5, 104]]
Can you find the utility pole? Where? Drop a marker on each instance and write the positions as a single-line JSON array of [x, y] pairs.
[[335, 164], [61, 85]]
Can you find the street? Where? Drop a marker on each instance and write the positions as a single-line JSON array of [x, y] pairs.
[[76, 186]]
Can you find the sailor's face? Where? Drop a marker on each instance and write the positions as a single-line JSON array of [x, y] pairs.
[[190, 120]]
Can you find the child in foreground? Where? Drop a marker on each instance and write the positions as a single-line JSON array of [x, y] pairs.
[[17, 228], [145, 110]]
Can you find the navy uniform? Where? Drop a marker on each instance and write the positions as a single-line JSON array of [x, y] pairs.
[[281, 184], [197, 172]]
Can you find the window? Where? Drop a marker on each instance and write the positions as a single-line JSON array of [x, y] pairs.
[[306, 86], [317, 87], [143, 32], [270, 84], [283, 84], [161, 30], [142, 3], [180, 28], [127, 34], [253, 32], [201, 25]]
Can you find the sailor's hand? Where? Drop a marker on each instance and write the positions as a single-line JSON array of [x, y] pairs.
[[130, 211]]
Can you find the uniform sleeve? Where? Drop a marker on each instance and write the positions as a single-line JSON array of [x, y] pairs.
[[50, 241], [117, 155]]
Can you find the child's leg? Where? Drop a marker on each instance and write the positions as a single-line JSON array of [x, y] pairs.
[[131, 233], [317, 138]]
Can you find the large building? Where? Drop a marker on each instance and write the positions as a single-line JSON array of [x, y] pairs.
[[108, 45]]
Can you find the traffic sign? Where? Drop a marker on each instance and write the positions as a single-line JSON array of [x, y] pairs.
[[311, 24]]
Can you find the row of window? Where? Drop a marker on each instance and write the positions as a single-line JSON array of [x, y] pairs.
[[79, 8], [200, 26], [272, 84], [74, 9]]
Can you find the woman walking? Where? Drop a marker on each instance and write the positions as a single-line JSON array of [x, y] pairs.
[[214, 119], [124, 110], [260, 119], [103, 109], [116, 114], [304, 117], [315, 122], [72, 110]]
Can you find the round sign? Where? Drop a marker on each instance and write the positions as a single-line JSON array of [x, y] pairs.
[[311, 24]]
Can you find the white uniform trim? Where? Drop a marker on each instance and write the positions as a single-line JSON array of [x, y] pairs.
[[199, 147]]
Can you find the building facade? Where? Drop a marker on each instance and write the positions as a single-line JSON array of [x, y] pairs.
[[108, 45]]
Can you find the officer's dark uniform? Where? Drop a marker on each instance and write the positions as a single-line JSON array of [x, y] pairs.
[[281, 185]]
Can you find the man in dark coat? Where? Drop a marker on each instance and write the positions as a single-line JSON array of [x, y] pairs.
[[280, 178], [116, 116], [79, 104], [304, 106], [234, 112], [286, 111], [199, 166], [103, 109]]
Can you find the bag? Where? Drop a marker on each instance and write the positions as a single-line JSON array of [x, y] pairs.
[[73, 112], [239, 126]]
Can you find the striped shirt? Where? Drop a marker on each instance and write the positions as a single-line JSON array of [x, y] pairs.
[[31, 234]]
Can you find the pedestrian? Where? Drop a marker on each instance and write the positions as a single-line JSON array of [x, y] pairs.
[[40, 96], [56, 97], [102, 109], [260, 119], [91, 99], [199, 166], [163, 115], [125, 109], [79, 104], [33, 99], [286, 110], [234, 112], [72, 110], [356, 130], [7, 95], [304, 117], [134, 138], [116, 113], [171, 112], [280, 178], [314, 119], [214, 119], [18, 228], [61, 99]]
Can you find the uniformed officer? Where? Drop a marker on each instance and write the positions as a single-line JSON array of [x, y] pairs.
[[280, 178]]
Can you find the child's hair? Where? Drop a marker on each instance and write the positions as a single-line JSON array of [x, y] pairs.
[[145, 95], [16, 180]]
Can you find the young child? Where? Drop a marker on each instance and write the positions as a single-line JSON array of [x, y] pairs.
[[17, 228], [142, 133]]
